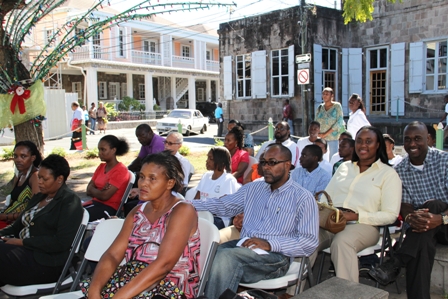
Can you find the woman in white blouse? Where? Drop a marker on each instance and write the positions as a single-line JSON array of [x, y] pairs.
[[357, 117]]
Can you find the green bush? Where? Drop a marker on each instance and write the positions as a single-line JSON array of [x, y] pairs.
[[184, 150], [8, 153], [111, 112], [59, 151], [219, 142], [91, 153], [130, 104]]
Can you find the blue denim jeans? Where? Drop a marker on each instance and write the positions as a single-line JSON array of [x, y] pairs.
[[291, 126], [233, 265], [92, 125], [333, 147]]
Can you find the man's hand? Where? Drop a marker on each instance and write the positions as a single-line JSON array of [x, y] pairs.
[[422, 220], [13, 241], [238, 221], [253, 243], [134, 192], [350, 216]]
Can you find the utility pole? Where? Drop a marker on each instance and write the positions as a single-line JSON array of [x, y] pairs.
[[303, 41]]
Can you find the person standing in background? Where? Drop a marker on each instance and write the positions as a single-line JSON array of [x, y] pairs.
[[75, 124], [101, 117], [92, 118], [329, 115], [287, 115], [445, 118], [219, 119], [357, 118]]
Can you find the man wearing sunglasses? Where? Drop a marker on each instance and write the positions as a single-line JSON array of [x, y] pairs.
[[173, 143], [280, 219], [282, 136]]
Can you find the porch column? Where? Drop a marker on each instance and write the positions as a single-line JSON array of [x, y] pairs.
[[129, 85], [191, 92], [149, 94], [92, 86], [90, 47], [173, 92], [217, 91], [208, 90]]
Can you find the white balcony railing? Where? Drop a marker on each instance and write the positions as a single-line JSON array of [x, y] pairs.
[[83, 52], [212, 65], [143, 57], [183, 62]]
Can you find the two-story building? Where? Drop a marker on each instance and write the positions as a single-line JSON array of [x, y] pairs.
[[152, 60], [397, 63]]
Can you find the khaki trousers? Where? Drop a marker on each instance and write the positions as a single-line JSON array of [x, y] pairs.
[[228, 234], [345, 245]]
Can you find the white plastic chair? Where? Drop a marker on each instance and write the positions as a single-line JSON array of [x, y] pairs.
[[105, 233], [206, 215], [63, 281], [191, 193], [252, 161], [125, 197], [209, 243], [296, 274]]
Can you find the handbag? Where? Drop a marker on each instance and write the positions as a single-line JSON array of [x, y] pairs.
[[125, 273], [330, 218]]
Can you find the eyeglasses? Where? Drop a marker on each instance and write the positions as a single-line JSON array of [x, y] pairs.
[[280, 129], [170, 143], [271, 162]]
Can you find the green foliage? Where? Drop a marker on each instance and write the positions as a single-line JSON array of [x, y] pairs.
[[91, 153], [184, 150], [110, 108], [59, 151], [8, 153], [130, 104], [84, 164], [156, 107], [219, 142], [359, 10]]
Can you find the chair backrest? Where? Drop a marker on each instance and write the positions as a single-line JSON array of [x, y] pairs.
[[209, 243], [206, 215], [191, 193], [105, 233], [252, 161], [124, 199], [81, 230]]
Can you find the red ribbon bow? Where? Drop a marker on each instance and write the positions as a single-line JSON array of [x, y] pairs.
[[20, 95]]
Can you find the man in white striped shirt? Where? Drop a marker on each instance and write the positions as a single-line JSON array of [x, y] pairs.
[[280, 217]]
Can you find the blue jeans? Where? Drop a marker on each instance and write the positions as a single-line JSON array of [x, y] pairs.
[[233, 265], [291, 126], [333, 147], [92, 125]]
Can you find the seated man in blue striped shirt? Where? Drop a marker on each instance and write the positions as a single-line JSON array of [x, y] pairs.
[[280, 217]]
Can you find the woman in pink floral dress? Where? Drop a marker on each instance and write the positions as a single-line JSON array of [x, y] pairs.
[[169, 224]]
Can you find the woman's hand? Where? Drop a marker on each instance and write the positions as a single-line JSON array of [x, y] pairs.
[[13, 241], [350, 216]]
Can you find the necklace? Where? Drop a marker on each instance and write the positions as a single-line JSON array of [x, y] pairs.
[[47, 200]]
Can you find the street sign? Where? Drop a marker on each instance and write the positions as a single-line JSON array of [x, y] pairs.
[[303, 76], [302, 66], [303, 58]]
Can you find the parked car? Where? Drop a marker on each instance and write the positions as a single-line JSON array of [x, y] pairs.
[[192, 122], [207, 109]]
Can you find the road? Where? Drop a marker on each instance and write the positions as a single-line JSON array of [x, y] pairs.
[[196, 143]]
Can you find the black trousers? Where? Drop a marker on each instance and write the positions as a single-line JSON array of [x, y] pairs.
[[96, 211], [18, 267], [75, 137], [220, 126], [418, 251]]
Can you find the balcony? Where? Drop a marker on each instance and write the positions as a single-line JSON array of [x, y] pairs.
[[183, 62], [83, 53], [212, 65], [142, 57]]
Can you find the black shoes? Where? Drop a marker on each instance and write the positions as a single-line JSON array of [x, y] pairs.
[[387, 272]]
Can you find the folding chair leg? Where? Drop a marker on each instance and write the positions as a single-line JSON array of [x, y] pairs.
[[299, 283], [78, 275], [321, 267]]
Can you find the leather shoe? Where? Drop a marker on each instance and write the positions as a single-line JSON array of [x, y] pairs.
[[387, 272]]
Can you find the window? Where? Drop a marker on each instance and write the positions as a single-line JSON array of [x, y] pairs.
[[243, 76], [76, 87], [102, 90], [149, 46], [141, 91], [279, 72], [200, 95], [120, 42], [377, 61], [96, 39], [185, 51], [79, 35], [124, 90], [49, 35], [208, 55], [114, 91], [436, 72], [329, 68]]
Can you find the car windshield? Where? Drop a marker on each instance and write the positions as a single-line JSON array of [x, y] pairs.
[[180, 114]]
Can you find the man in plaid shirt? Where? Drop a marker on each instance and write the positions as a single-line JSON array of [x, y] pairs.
[[424, 175]]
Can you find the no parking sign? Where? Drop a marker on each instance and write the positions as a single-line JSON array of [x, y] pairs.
[[303, 76]]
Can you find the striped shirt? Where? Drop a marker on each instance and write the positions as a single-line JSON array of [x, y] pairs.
[[286, 217], [430, 183], [314, 181]]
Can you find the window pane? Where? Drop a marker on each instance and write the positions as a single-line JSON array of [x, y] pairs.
[[275, 53], [240, 88], [239, 70], [325, 59], [442, 65], [430, 66], [373, 59], [284, 66], [430, 50], [442, 49], [285, 52], [248, 94], [276, 87], [275, 71], [383, 58], [333, 60], [442, 82], [429, 82], [285, 85], [248, 69]]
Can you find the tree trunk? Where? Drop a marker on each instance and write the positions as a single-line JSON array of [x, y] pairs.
[[28, 131]]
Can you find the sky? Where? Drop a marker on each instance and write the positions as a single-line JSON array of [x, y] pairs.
[[214, 16]]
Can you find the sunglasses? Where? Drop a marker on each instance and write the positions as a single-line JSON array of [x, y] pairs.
[[271, 162]]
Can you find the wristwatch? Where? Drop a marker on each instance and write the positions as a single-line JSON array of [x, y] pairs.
[[444, 218]]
